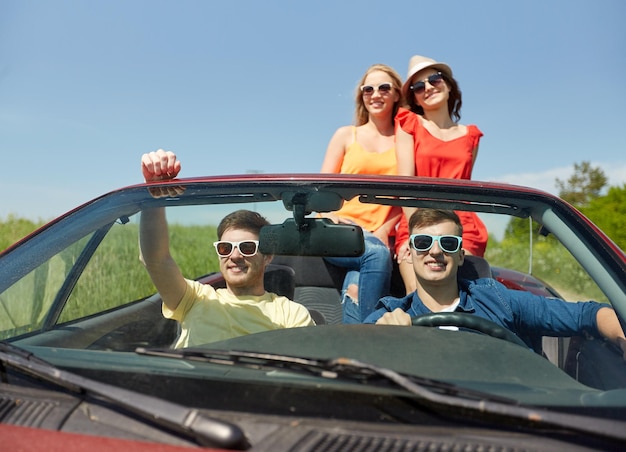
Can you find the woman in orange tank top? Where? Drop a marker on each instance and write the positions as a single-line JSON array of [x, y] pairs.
[[367, 148], [430, 142]]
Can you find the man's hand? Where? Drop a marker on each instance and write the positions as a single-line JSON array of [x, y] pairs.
[[396, 317], [160, 165]]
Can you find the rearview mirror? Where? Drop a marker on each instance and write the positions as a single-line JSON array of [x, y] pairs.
[[316, 201], [314, 237]]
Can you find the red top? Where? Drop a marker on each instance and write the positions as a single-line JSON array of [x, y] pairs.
[[451, 159]]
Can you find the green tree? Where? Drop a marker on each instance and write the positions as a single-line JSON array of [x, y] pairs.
[[585, 185], [582, 187], [12, 229], [519, 230], [609, 214]]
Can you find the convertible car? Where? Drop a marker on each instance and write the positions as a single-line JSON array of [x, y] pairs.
[[87, 358]]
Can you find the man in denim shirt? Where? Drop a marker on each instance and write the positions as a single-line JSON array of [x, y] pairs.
[[437, 254]]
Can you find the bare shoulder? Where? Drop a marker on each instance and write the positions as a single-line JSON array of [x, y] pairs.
[[344, 132], [341, 139]]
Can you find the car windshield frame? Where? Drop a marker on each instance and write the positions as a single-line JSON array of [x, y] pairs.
[[298, 196], [600, 257]]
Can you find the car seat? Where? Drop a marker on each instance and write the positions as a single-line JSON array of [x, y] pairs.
[[474, 267], [317, 285]]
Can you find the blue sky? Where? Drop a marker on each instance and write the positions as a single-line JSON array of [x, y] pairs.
[[87, 86]]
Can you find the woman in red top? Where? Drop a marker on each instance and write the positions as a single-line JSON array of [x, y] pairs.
[[430, 142]]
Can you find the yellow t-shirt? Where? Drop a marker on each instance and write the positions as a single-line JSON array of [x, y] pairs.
[[209, 315]]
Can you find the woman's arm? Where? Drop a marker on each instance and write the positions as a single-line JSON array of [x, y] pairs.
[[336, 150], [474, 155], [405, 153], [405, 157], [389, 225]]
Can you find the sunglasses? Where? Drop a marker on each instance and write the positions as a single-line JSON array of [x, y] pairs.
[[247, 248], [424, 242], [420, 86], [384, 88]]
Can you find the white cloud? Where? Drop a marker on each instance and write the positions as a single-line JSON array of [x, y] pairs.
[[546, 180], [616, 174]]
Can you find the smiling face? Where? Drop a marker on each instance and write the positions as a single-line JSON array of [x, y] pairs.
[[434, 96], [435, 266], [243, 275], [370, 103], [380, 102]]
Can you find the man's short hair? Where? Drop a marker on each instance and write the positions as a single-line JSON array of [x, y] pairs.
[[242, 219], [429, 217]]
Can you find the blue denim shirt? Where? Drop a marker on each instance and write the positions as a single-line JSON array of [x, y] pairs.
[[527, 315]]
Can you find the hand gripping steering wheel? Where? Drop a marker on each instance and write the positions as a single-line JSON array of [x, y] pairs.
[[469, 321]]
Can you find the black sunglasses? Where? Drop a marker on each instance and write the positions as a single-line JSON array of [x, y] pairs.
[[247, 248], [420, 86], [384, 88], [424, 242]]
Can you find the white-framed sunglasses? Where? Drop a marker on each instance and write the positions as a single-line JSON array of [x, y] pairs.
[[247, 248], [424, 242], [383, 88]]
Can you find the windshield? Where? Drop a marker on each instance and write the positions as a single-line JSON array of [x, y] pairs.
[[88, 304]]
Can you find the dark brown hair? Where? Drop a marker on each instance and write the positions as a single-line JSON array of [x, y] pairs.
[[455, 100], [429, 217], [242, 219]]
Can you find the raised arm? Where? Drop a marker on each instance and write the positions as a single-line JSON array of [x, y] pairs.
[[153, 233]]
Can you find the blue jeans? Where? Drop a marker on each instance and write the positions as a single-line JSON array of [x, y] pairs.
[[371, 272]]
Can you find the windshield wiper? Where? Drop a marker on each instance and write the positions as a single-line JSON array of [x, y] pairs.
[[340, 368], [188, 422], [445, 397]]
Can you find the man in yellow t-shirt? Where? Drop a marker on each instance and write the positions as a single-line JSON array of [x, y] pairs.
[[205, 314]]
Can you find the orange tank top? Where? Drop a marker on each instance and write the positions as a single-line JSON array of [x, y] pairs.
[[357, 160]]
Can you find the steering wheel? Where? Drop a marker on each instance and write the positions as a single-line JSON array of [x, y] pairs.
[[469, 321]]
